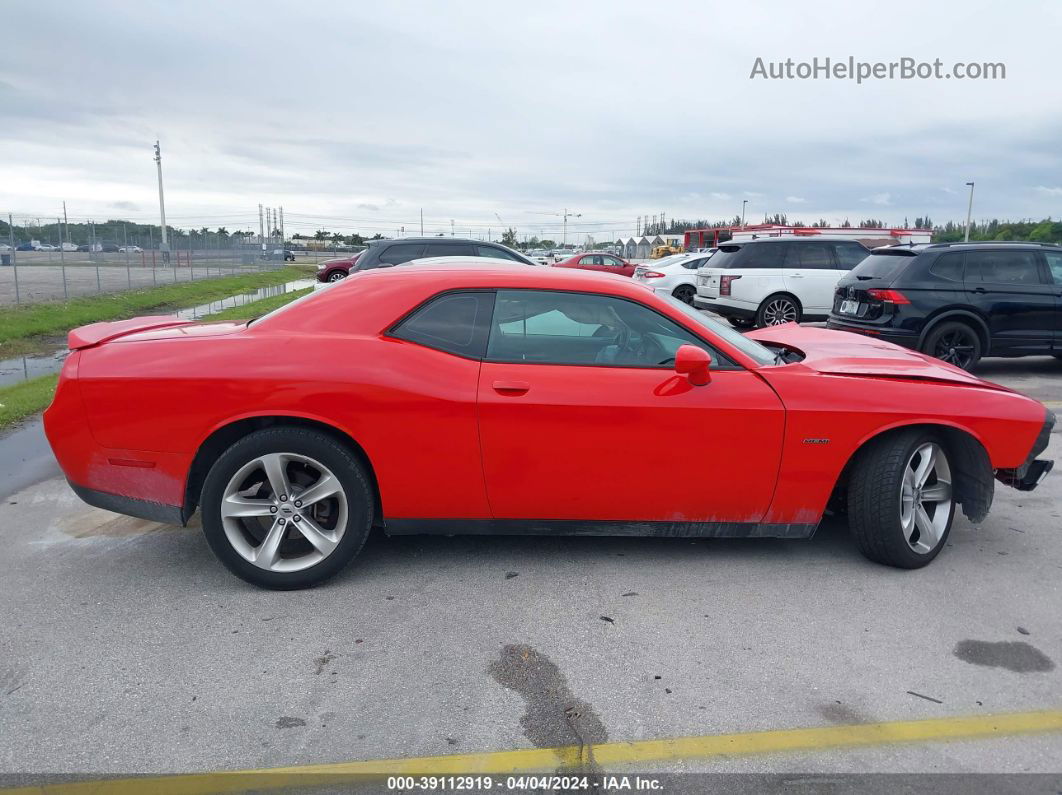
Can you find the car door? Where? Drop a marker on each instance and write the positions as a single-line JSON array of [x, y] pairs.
[[1054, 270], [616, 265], [582, 418], [811, 274], [1011, 290]]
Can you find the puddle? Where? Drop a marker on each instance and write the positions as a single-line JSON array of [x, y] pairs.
[[22, 368], [242, 299]]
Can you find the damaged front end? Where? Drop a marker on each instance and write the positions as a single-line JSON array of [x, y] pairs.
[[1030, 474]]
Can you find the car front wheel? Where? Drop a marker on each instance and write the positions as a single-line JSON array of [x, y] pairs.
[[900, 499], [336, 276], [286, 508]]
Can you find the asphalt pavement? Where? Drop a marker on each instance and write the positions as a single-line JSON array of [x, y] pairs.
[[126, 648]]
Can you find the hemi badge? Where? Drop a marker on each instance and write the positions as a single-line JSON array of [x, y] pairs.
[[816, 441], [129, 462]]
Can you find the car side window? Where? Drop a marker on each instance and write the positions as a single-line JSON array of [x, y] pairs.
[[948, 266], [1003, 267], [496, 253], [813, 256], [548, 327], [448, 250], [401, 252], [765, 255], [452, 322], [613, 262], [849, 255], [586, 261], [1054, 262]]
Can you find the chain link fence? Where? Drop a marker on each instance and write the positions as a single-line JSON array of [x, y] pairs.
[[43, 263]]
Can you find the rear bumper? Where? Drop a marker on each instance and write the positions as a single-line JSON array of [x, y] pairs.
[[724, 310], [130, 506], [1030, 474], [907, 340]]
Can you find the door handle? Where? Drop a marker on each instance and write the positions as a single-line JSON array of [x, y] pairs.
[[511, 387], [980, 290]]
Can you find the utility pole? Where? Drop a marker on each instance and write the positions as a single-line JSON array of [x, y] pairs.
[[422, 222], [743, 203], [451, 227], [261, 228], [282, 237], [162, 205], [969, 213], [66, 223], [564, 242]]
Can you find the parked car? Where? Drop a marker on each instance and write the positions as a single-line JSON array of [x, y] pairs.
[[130, 249], [775, 280], [4, 247], [957, 301], [675, 275], [24, 247], [387, 253], [485, 399], [83, 247], [45, 247], [289, 255], [332, 270], [107, 248], [598, 261]]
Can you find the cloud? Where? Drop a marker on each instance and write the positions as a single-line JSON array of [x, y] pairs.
[[1049, 191], [880, 199], [796, 199]]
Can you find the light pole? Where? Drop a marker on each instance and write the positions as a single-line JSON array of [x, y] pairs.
[[969, 213], [743, 203], [165, 248]]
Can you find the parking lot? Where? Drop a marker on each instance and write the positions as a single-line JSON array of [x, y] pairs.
[[125, 647]]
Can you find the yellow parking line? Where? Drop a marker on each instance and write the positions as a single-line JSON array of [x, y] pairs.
[[605, 755]]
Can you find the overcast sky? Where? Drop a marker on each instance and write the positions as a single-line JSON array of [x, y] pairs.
[[355, 115]]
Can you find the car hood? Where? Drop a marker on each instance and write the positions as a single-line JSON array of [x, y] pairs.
[[844, 353]]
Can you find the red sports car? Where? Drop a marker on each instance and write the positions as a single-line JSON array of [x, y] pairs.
[[598, 261], [332, 270], [464, 398]]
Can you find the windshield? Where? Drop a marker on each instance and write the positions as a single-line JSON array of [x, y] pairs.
[[754, 350]]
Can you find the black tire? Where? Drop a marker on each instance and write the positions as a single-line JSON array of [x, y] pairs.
[[777, 306], [954, 342], [874, 500], [685, 293], [740, 322], [336, 276], [348, 471]]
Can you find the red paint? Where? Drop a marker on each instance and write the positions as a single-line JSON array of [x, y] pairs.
[[449, 437], [625, 268]]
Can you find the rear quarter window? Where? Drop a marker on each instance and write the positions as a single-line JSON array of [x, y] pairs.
[[948, 266]]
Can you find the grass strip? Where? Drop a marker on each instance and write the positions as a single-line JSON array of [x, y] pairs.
[[256, 308], [58, 317], [25, 398]]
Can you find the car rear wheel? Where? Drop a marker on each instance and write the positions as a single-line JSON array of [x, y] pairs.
[[335, 276], [685, 293], [778, 309], [286, 508], [900, 499], [955, 343]]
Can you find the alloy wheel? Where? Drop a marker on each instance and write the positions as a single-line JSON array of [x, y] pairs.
[[284, 512], [778, 311], [335, 277], [957, 347], [685, 293], [925, 498]]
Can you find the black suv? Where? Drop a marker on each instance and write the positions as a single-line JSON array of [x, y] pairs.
[[385, 253], [957, 301]]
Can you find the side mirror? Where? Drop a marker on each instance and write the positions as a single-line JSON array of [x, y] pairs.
[[694, 362]]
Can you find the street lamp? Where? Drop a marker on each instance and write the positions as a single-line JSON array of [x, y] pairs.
[[743, 203], [969, 213]]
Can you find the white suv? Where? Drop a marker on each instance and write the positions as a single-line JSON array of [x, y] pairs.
[[775, 280]]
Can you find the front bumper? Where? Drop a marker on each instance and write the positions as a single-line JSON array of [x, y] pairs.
[[1030, 474]]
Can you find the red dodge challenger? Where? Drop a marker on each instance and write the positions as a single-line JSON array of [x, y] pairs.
[[465, 398]]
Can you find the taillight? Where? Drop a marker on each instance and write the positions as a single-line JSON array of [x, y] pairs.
[[652, 275], [724, 284], [890, 296]]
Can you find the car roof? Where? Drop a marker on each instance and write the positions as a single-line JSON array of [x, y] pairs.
[[435, 239], [441, 260]]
